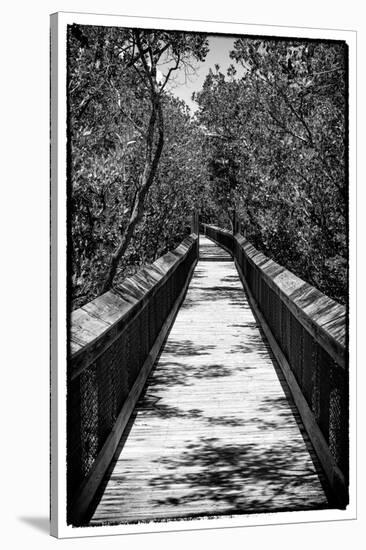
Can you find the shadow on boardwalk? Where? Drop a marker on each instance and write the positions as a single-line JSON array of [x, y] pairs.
[[246, 477], [215, 431]]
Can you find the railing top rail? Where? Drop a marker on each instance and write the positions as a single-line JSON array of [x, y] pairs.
[[94, 326], [227, 231]]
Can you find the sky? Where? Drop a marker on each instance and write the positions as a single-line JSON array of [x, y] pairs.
[[220, 46]]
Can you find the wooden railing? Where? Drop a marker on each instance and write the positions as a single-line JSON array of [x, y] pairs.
[[115, 340], [308, 335]]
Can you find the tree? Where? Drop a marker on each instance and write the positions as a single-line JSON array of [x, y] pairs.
[[282, 126], [150, 47], [117, 98], [222, 116]]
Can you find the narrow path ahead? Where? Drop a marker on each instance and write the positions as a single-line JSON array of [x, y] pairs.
[[215, 431]]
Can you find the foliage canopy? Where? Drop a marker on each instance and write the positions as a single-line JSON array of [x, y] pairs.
[[278, 153], [269, 144]]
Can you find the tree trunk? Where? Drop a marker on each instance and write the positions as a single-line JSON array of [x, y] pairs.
[[150, 168]]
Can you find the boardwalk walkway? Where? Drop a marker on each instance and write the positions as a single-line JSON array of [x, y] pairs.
[[215, 431]]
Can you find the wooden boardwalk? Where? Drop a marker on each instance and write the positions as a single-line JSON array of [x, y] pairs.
[[215, 431]]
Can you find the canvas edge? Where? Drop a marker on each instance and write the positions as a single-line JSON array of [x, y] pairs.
[[58, 24], [54, 451]]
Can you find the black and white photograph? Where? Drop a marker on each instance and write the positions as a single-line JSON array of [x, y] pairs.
[[201, 201]]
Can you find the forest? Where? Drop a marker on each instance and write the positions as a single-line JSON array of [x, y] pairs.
[[268, 141]]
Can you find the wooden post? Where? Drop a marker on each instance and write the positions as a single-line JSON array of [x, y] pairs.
[[194, 222], [236, 223]]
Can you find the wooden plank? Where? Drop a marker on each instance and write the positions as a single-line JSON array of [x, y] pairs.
[[100, 466], [109, 307], [215, 430]]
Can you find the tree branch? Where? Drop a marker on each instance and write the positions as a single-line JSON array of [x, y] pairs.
[[284, 127], [170, 72], [144, 63]]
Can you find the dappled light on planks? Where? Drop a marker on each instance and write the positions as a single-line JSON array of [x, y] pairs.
[[215, 431]]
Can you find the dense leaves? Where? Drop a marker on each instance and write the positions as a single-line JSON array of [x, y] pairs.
[[134, 155], [268, 141], [277, 141]]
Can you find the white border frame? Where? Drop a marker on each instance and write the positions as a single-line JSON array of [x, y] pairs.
[[59, 22]]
